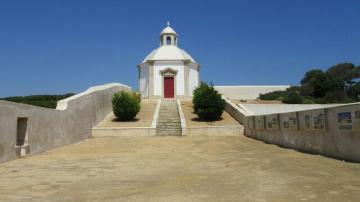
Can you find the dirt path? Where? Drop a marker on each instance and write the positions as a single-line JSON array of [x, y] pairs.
[[178, 169]]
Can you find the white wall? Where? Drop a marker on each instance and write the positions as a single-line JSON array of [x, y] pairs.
[[247, 92], [177, 65], [70, 122], [193, 78], [144, 80]]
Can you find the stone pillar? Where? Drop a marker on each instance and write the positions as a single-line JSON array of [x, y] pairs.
[[186, 78], [151, 79]]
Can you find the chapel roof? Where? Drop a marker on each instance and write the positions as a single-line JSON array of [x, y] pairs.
[[168, 30], [169, 53]]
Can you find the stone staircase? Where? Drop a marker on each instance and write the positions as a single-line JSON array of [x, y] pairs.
[[168, 123]]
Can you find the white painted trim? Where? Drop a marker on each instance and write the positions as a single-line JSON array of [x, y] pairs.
[[237, 107], [182, 117], [156, 114], [63, 104]]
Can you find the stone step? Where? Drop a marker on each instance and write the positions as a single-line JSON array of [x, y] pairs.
[[168, 121], [168, 134], [169, 126], [168, 129]]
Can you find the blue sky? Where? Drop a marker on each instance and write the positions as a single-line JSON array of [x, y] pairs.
[[58, 46]]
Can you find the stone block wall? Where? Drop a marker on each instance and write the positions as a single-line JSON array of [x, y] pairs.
[[330, 131]]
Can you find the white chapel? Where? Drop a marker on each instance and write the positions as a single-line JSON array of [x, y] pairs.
[[168, 71]]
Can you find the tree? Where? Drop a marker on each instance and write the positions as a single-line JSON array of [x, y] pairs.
[[339, 84], [345, 71], [316, 83], [335, 96], [354, 91], [207, 102]]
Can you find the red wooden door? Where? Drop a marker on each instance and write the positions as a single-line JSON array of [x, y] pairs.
[[168, 87]]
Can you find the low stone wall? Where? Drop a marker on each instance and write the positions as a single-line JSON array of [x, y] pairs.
[[182, 117], [229, 130], [235, 111], [39, 129], [104, 131], [123, 132], [247, 92], [330, 131]]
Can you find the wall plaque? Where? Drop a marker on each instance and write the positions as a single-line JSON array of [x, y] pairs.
[[344, 121], [314, 120], [289, 121], [259, 122], [272, 122]]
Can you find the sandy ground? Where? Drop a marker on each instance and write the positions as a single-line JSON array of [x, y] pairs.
[[178, 169], [193, 120], [142, 119], [256, 101]]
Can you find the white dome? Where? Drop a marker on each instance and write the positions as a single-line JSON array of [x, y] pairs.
[[168, 30], [169, 53]]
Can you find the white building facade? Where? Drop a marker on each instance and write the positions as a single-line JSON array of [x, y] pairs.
[[168, 71]]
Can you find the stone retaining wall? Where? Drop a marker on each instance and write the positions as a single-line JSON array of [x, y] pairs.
[[43, 129], [329, 131]]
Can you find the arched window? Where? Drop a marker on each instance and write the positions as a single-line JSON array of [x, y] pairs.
[[168, 40]]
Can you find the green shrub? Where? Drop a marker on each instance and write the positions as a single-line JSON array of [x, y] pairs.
[[335, 96], [207, 102], [293, 97], [126, 105], [275, 95], [308, 100], [196, 95]]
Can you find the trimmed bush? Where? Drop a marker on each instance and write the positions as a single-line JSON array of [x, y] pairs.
[[207, 102], [126, 105]]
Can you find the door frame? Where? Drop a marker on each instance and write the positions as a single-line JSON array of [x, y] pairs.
[[168, 72], [163, 78]]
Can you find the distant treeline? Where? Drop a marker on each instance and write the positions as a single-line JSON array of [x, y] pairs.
[[338, 84], [48, 101]]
